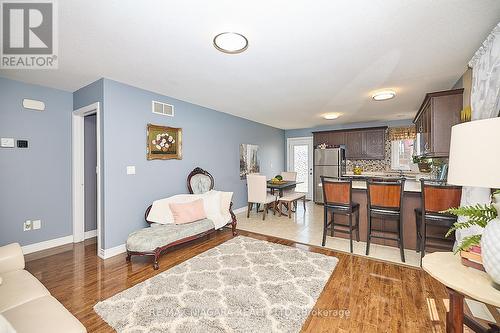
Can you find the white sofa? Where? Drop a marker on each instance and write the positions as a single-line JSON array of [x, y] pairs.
[[24, 301]]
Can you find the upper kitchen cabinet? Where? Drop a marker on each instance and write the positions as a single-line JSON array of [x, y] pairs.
[[375, 144], [336, 138], [331, 138], [437, 114], [354, 145], [360, 144]]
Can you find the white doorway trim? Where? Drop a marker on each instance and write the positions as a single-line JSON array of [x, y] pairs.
[[78, 174], [308, 140]]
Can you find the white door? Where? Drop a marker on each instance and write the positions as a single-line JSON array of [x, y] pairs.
[[300, 160]]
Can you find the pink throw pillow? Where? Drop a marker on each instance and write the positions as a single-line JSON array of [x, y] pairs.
[[188, 212]]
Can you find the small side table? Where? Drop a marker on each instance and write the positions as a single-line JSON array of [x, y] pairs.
[[459, 280]]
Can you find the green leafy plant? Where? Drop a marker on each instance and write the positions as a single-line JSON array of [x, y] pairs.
[[478, 215], [420, 159]]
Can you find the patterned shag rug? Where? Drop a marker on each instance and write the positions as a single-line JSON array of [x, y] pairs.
[[242, 285]]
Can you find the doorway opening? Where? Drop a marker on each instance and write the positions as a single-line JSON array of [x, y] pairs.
[[87, 175]]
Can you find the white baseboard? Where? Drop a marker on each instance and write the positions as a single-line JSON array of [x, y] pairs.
[[108, 253], [47, 244], [90, 234], [240, 210]]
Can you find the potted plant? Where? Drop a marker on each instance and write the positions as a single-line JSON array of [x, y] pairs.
[[424, 164], [485, 216]]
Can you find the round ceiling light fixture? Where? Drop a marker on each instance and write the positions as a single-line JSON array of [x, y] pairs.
[[230, 42], [331, 116], [384, 95]]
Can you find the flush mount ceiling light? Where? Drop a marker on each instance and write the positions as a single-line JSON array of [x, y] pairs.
[[384, 95], [331, 116], [230, 42]]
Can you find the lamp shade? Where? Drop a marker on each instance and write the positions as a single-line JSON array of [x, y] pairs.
[[475, 154]]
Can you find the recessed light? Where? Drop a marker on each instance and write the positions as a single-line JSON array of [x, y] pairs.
[[331, 116], [384, 95], [230, 42]]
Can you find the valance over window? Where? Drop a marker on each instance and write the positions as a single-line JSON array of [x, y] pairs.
[[402, 133]]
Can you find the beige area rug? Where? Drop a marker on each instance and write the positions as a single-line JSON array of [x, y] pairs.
[[242, 285]]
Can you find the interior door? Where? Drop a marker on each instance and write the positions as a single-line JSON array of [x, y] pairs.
[[300, 160]]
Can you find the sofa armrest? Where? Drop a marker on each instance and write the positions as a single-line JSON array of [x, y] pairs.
[[11, 258]]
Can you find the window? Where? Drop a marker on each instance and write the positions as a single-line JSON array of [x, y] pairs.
[[401, 154]]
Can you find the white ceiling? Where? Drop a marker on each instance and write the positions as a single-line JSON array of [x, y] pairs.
[[305, 58]]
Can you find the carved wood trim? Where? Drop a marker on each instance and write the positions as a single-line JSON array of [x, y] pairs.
[[197, 171]]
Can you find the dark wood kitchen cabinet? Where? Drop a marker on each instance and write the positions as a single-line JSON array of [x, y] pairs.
[[360, 144], [437, 114], [375, 144], [354, 145], [337, 137]]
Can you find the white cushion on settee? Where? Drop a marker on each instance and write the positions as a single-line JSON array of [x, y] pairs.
[[216, 204]]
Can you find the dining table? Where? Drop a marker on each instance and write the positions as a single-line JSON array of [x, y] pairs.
[[281, 186]]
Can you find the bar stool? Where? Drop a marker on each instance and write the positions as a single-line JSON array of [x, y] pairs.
[[385, 201], [337, 194], [437, 196]]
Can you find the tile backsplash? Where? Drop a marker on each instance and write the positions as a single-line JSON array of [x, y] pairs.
[[373, 165]]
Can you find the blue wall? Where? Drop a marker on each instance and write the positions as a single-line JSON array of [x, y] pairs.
[[35, 183], [210, 140]]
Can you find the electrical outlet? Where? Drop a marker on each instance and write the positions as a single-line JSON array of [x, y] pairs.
[[36, 224], [28, 225]]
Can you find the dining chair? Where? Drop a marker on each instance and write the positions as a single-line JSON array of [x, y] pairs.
[[257, 194], [437, 196], [290, 196], [337, 194], [289, 176], [385, 202]]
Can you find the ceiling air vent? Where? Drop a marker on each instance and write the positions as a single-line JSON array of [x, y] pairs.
[[163, 109]]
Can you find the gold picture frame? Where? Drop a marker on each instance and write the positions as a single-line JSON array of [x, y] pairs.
[[163, 142]]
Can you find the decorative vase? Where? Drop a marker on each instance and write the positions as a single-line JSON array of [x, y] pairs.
[[490, 246]]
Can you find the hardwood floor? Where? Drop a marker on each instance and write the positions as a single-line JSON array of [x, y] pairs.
[[362, 295]]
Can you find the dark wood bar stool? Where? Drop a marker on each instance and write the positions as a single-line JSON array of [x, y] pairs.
[[437, 196], [337, 194], [385, 201]]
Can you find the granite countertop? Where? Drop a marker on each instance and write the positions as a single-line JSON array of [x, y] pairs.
[[411, 183]]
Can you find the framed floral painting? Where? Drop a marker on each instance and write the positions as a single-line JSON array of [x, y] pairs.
[[164, 143]]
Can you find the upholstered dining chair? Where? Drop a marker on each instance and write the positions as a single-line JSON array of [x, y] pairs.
[[200, 181], [257, 194], [289, 176]]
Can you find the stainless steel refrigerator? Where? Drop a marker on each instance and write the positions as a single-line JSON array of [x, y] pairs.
[[327, 162]]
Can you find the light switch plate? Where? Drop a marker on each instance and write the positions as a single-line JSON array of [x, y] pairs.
[[7, 142], [27, 225], [131, 170], [36, 224]]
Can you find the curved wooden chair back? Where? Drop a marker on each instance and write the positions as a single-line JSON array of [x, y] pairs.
[[438, 196], [337, 191], [385, 193]]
